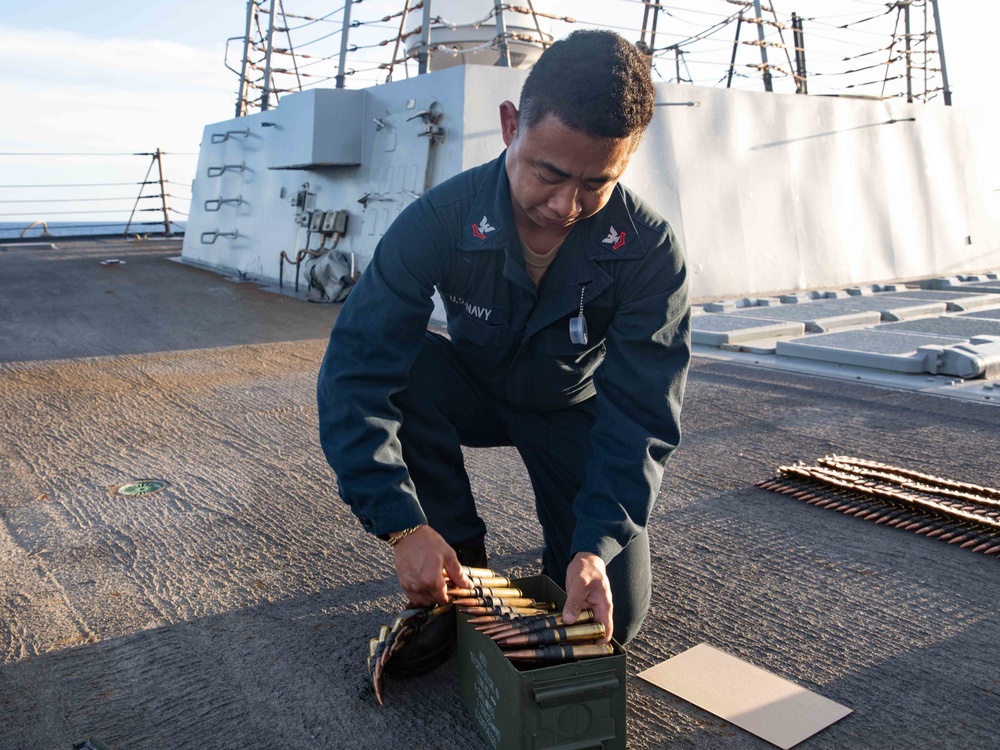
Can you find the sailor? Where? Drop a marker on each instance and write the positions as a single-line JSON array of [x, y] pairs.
[[568, 339]]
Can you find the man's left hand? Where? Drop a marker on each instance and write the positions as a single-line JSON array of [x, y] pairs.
[[587, 587]]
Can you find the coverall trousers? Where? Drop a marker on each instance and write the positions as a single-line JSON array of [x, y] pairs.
[[444, 408]]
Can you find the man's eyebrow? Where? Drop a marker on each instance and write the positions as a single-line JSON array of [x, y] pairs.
[[553, 168], [565, 175]]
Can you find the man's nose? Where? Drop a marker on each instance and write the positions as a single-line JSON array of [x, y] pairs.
[[565, 201]]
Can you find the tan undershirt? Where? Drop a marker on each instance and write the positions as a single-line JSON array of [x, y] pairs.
[[536, 264]]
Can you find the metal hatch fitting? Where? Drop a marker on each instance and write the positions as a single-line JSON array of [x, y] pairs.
[[139, 487]]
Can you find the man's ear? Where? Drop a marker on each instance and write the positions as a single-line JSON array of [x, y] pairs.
[[508, 122]]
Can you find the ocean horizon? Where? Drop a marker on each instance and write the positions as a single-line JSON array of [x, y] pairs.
[[12, 230]]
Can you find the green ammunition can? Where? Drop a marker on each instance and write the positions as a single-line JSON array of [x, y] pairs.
[[541, 706]]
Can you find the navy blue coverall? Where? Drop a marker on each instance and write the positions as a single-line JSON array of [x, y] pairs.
[[594, 423]]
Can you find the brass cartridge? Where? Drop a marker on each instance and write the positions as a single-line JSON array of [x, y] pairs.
[[562, 652], [499, 610], [496, 581], [533, 624], [494, 620], [478, 572], [494, 601], [502, 593], [568, 634]]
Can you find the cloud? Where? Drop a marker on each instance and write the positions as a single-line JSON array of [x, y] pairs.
[[108, 94], [65, 54], [65, 92]]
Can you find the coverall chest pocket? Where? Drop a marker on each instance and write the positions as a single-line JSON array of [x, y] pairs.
[[479, 337], [570, 367], [555, 339], [570, 364]]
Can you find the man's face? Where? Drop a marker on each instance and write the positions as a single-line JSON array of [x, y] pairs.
[[559, 175]]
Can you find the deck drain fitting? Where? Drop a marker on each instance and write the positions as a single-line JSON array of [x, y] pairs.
[[139, 487]]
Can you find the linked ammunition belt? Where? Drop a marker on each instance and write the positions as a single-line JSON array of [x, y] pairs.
[[525, 630], [945, 509]]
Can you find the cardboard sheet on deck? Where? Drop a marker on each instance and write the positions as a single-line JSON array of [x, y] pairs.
[[770, 707]]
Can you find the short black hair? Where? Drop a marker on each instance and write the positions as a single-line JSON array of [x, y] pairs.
[[594, 81]]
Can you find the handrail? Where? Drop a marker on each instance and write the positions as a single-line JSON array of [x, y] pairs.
[[47, 205], [703, 53]]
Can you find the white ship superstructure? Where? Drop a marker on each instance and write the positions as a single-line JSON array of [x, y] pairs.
[[767, 191]]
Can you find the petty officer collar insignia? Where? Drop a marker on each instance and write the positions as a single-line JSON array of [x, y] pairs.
[[578, 325], [483, 228], [615, 238]]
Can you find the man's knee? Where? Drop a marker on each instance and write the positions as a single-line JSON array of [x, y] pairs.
[[630, 614], [631, 587]]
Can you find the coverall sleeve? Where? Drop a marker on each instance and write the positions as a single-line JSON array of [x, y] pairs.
[[640, 387], [374, 343]]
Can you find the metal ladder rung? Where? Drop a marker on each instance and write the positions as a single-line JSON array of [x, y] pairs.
[[215, 234], [216, 171], [223, 137], [213, 205]]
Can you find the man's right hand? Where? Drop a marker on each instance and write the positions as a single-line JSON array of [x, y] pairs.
[[421, 560]]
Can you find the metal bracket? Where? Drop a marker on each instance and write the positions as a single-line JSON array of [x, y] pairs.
[[223, 137], [218, 203], [433, 132], [215, 234], [977, 358], [431, 117], [367, 198]]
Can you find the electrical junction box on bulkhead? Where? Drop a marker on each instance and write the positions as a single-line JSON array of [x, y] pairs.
[[335, 222]]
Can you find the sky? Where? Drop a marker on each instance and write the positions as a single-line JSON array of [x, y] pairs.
[[101, 79]]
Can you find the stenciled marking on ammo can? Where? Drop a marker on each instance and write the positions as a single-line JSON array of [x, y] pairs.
[[487, 696]]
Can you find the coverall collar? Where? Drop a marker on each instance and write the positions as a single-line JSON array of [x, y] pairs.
[[576, 274], [609, 234], [490, 224]]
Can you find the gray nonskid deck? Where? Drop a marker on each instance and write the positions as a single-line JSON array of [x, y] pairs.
[[234, 607]]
